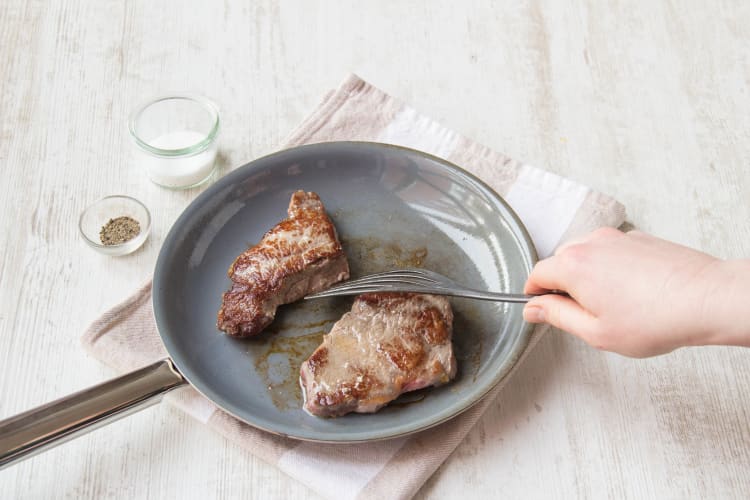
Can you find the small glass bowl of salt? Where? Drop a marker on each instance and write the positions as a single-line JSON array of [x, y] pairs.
[[175, 138]]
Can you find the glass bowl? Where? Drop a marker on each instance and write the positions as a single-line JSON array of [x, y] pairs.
[[176, 139], [96, 215]]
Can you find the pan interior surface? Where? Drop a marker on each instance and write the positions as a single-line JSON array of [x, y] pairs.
[[393, 208]]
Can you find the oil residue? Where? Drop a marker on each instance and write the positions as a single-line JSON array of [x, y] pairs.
[[468, 350], [370, 255], [286, 323], [279, 366], [473, 361]]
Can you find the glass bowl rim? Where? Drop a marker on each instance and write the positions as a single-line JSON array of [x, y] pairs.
[[186, 151]]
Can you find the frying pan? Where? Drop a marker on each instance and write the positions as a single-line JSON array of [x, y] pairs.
[[393, 207]]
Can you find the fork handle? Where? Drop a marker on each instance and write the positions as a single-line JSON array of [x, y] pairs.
[[515, 298]]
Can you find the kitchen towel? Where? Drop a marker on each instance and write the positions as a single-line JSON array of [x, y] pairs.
[[552, 208]]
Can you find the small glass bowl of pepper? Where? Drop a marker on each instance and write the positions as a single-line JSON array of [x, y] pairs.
[[115, 225]]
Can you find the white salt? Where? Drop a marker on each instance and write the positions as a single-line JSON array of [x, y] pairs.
[[179, 171]]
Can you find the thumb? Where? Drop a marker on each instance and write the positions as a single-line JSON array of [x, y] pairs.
[[561, 312]]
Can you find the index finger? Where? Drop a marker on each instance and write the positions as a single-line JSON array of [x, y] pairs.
[[547, 275]]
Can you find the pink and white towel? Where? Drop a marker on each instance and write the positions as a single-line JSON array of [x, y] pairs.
[[552, 208]]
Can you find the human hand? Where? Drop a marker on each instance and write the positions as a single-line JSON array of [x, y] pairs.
[[637, 295]]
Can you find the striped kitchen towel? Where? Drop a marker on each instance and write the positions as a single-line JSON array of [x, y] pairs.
[[552, 208]]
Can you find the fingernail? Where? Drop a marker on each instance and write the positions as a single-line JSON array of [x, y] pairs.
[[533, 314]]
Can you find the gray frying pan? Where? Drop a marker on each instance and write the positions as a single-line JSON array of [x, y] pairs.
[[393, 208]]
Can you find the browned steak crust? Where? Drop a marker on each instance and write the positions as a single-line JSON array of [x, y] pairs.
[[298, 256], [388, 344]]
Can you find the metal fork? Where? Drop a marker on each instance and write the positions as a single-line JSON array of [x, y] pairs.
[[417, 281]]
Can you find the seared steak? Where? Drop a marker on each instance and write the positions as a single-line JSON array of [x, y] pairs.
[[299, 256], [388, 344]]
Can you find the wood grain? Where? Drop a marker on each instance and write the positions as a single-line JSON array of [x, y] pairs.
[[647, 101]]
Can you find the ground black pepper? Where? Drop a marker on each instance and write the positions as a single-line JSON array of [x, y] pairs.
[[119, 230]]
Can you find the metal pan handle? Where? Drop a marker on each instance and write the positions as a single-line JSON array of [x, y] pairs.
[[38, 429]]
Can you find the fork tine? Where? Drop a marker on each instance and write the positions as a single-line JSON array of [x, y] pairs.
[[355, 290], [381, 284], [426, 275], [431, 275], [399, 274], [389, 279], [399, 280]]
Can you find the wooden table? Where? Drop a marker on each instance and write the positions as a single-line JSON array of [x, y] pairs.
[[649, 102]]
